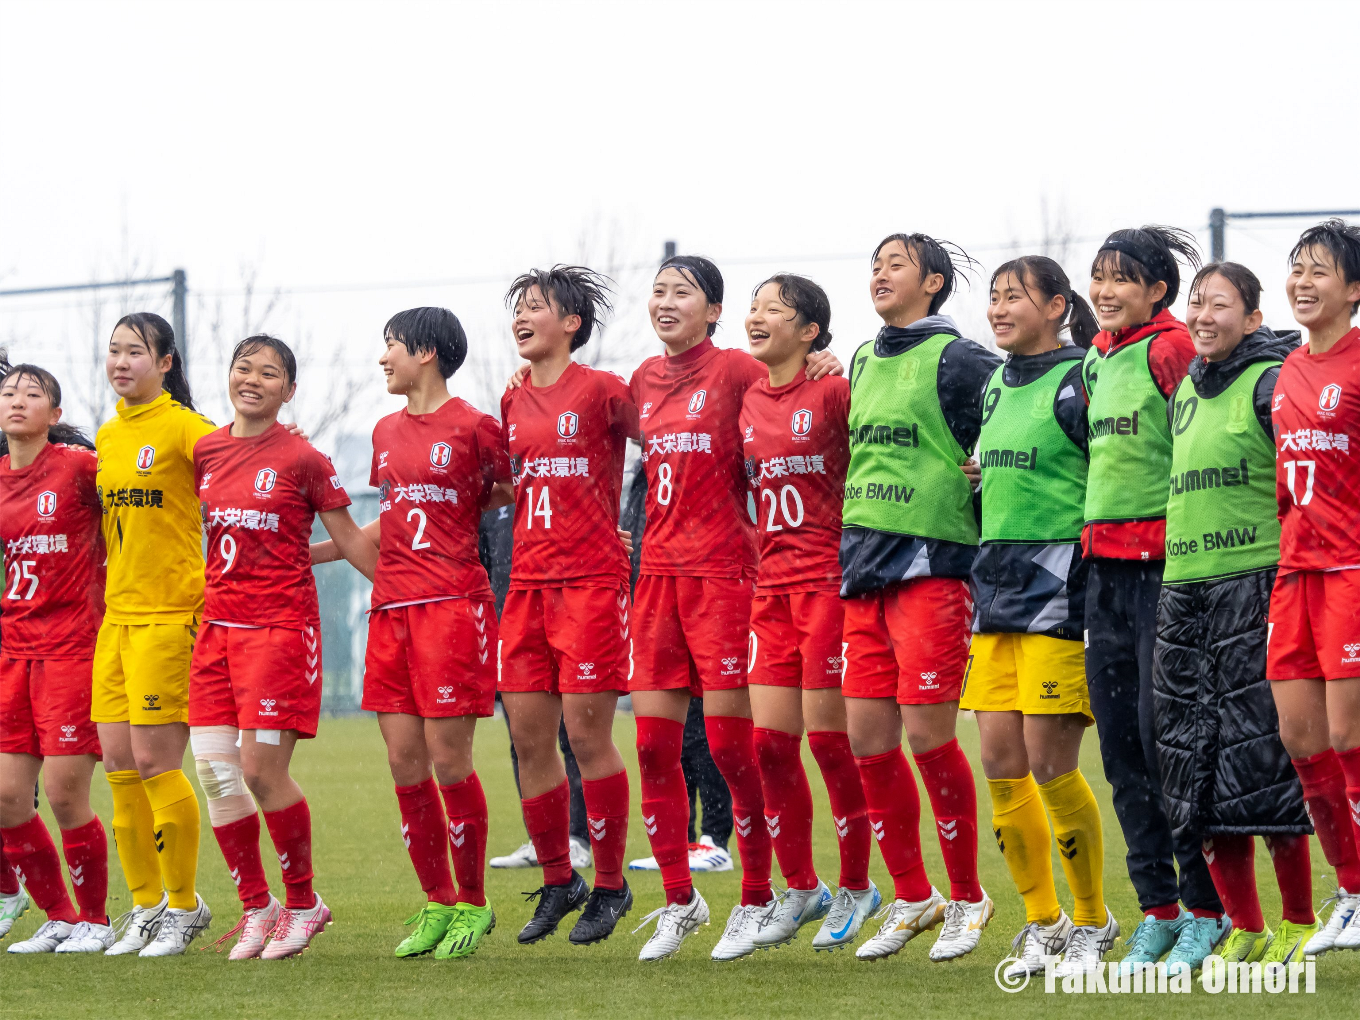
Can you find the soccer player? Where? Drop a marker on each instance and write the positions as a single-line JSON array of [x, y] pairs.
[[430, 668], [52, 603], [255, 687], [795, 438], [1225, 775], [1134, 365], [564, 628], [907, 547], [153, 601], [1027, 679], [1314, 653]]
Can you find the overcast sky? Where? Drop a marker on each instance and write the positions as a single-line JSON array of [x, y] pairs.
[[366, 157]]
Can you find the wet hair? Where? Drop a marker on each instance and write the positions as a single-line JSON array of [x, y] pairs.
[[932, 256], [1147, 255], [258, 342], [47, 382], [575, 290], [1041, 273], [431, 329], [1341, 240], [1244, 281], [808, 300], [159, 338], [702, 273]]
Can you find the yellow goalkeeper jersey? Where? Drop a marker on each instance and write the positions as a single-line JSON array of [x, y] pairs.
[[151, 519]]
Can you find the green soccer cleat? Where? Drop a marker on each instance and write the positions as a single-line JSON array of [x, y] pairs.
[[432, 924], [1245, 946], [465, 934], [1287, 945]]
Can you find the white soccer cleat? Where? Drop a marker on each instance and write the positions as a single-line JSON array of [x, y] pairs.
[[644, 864], [962, 931], [254, 927], [135, 929], [178, 929], [1345, 909], [524, 857], [1088, 946], [706, 855], [739, 937], [11, 909], [791, 909], [1349, 937], [674, 924], [580, 853], [296, 929], [905, 920], [1037, 941], [46, 939], [88, 937], [848, 912]]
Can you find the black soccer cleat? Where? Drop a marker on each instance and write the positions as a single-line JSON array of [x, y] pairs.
[[602, 913], [554, 903]]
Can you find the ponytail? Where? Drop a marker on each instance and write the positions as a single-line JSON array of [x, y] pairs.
[[1041, 273], [159, 337]]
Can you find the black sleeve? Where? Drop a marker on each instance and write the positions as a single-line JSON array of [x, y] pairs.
[[965, 367], [1069, 407], [1261, 399]]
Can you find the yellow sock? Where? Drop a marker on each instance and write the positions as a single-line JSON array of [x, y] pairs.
[[1081, 843], [175, 809], [132, 827], [1021, 830]]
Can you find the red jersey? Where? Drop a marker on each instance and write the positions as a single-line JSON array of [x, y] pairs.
[[797, 443], [258, 497], [566, 444], [1316, 412], [54, 555], [698, 520], [434, 474]]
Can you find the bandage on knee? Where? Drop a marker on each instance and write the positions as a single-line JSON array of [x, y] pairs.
[[217, 760]]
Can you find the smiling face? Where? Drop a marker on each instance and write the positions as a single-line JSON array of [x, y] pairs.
[[1218, 319], [773, 329], [1121, 300], [400, 366], [540, 328], [26, 411], [1318, 292], [680, 311], [134, 371], [1023, 324], [901, 294], [258, 384]]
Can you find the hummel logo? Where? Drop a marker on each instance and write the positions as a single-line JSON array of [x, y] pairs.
[[69, 734], [478, 610], [1208, 851], [235, 875], [743, 825], [842, 825], [151, 700], [929, 676], [160, 841], [597, 827], [1049, 687], [772, 825], [729, 662], [649, 823], [1000, 843], [406, 835], [1067, 847], [948, 830], [456, 835], [877, 828], [77, 874], [283, 861]]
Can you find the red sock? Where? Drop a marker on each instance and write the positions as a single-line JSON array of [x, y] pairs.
[[548, 819], [1324, 794], [948, 779], [1164, 912], [1294, 874], [846, 792], [788, 805], [466, 806], [665, 802], [291, 831], [731, 741], [424, 831], [1232, 866], [1350, 767], [895, 816], [86, 850], [9, 882], [240, 845], [607, 819], [34, 856]]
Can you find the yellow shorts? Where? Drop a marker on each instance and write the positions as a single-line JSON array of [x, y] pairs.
[[1030, 673], [141, 673]]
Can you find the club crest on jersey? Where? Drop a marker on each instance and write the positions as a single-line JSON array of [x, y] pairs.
[[1329, 397], [146, 456], [696, 402], [47, 503], [264, 481], [802, 422], [441, 454], [567, 424]]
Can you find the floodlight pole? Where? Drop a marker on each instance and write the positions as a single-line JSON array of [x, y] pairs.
[[669, 250], [1218, 222]]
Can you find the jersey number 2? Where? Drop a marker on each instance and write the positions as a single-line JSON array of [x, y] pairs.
[[416, 542]]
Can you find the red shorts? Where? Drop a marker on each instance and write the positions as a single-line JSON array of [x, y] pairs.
[[796, 640], [45, 707], [256, 678], [436, 660], [690, 632], [564, 641], [1314, 625], [909, 641]]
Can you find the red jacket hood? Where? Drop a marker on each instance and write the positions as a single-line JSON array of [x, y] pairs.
[[1162, 322]]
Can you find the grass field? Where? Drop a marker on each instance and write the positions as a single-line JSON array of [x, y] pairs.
[[363, 873]]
